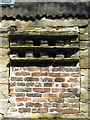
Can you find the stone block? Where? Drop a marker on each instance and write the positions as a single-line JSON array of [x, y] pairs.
[[4, 69], [84, 44], [4, 75], [4, 42], [84, 53], [84, 82], [1, 117], [3, 107], [84, 72], [84, 63], [3, 91], [4, 80], [83, 37], [78, 116], [84, 96], [4, 61], [83, 30], [4, 52], [84, 108]]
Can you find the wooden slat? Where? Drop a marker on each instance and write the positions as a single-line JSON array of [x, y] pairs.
[[46, 59], [41, 47]]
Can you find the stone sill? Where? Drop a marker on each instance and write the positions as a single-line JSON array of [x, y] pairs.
[[43, 116]]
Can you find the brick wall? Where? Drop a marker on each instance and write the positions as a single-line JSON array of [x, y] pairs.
[[44, 89]]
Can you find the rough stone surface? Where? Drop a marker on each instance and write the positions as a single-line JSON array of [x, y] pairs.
[[84, 108], [4, 52], [84, 96], [4, 74], [3, 106], [84, 44], [3, 91]]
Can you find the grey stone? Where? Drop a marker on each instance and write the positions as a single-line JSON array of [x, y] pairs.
[[33, 94], [84, 53], [84, 44]]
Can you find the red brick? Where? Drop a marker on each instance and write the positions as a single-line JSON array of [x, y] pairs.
[[72, 100], [57, 90], [65, 85], [40, 100], [55, 69], [31, 79], [38, 105], [54, 99], [41, 90], [29, 104], [11, 89], [65, 75], [20, 104], [38, 74], [29, 84], [50, 95], [69, 111], [47, 84], [72, 80], [12, 104], [44, 69], [22, 73], [33, 69], [29, 41], [23, 99], [12, 84], [54, 74], [59, 79], [75, 74], [55, 110]]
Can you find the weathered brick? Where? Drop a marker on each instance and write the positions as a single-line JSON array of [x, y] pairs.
[[11, 89], [57, 90], [33, 69], [58, 110], [33, 95], [38, 105], [40, 100], [54, 74], [20, 95], [42, 90], [16, 78], [20, 84], [83, 37], [70, 111], [39, 74], [64, 75], [57, 105], [20, 104], [72, 100], [47, 84], [65, 85], [29, 104], [47, 105], [22, 73], [31, 79], [55, 99], [13, 94], [13, 110], [12, 104], [47, 80], [22, 110], [55, 69], [59, 79], [72, 80], [40, 110], [38, 84], [29, 84], [72, 89], [50, 95], [13, 84], [44, 69], [23, 99], [65, 95], [18, 89], [75, 74]]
